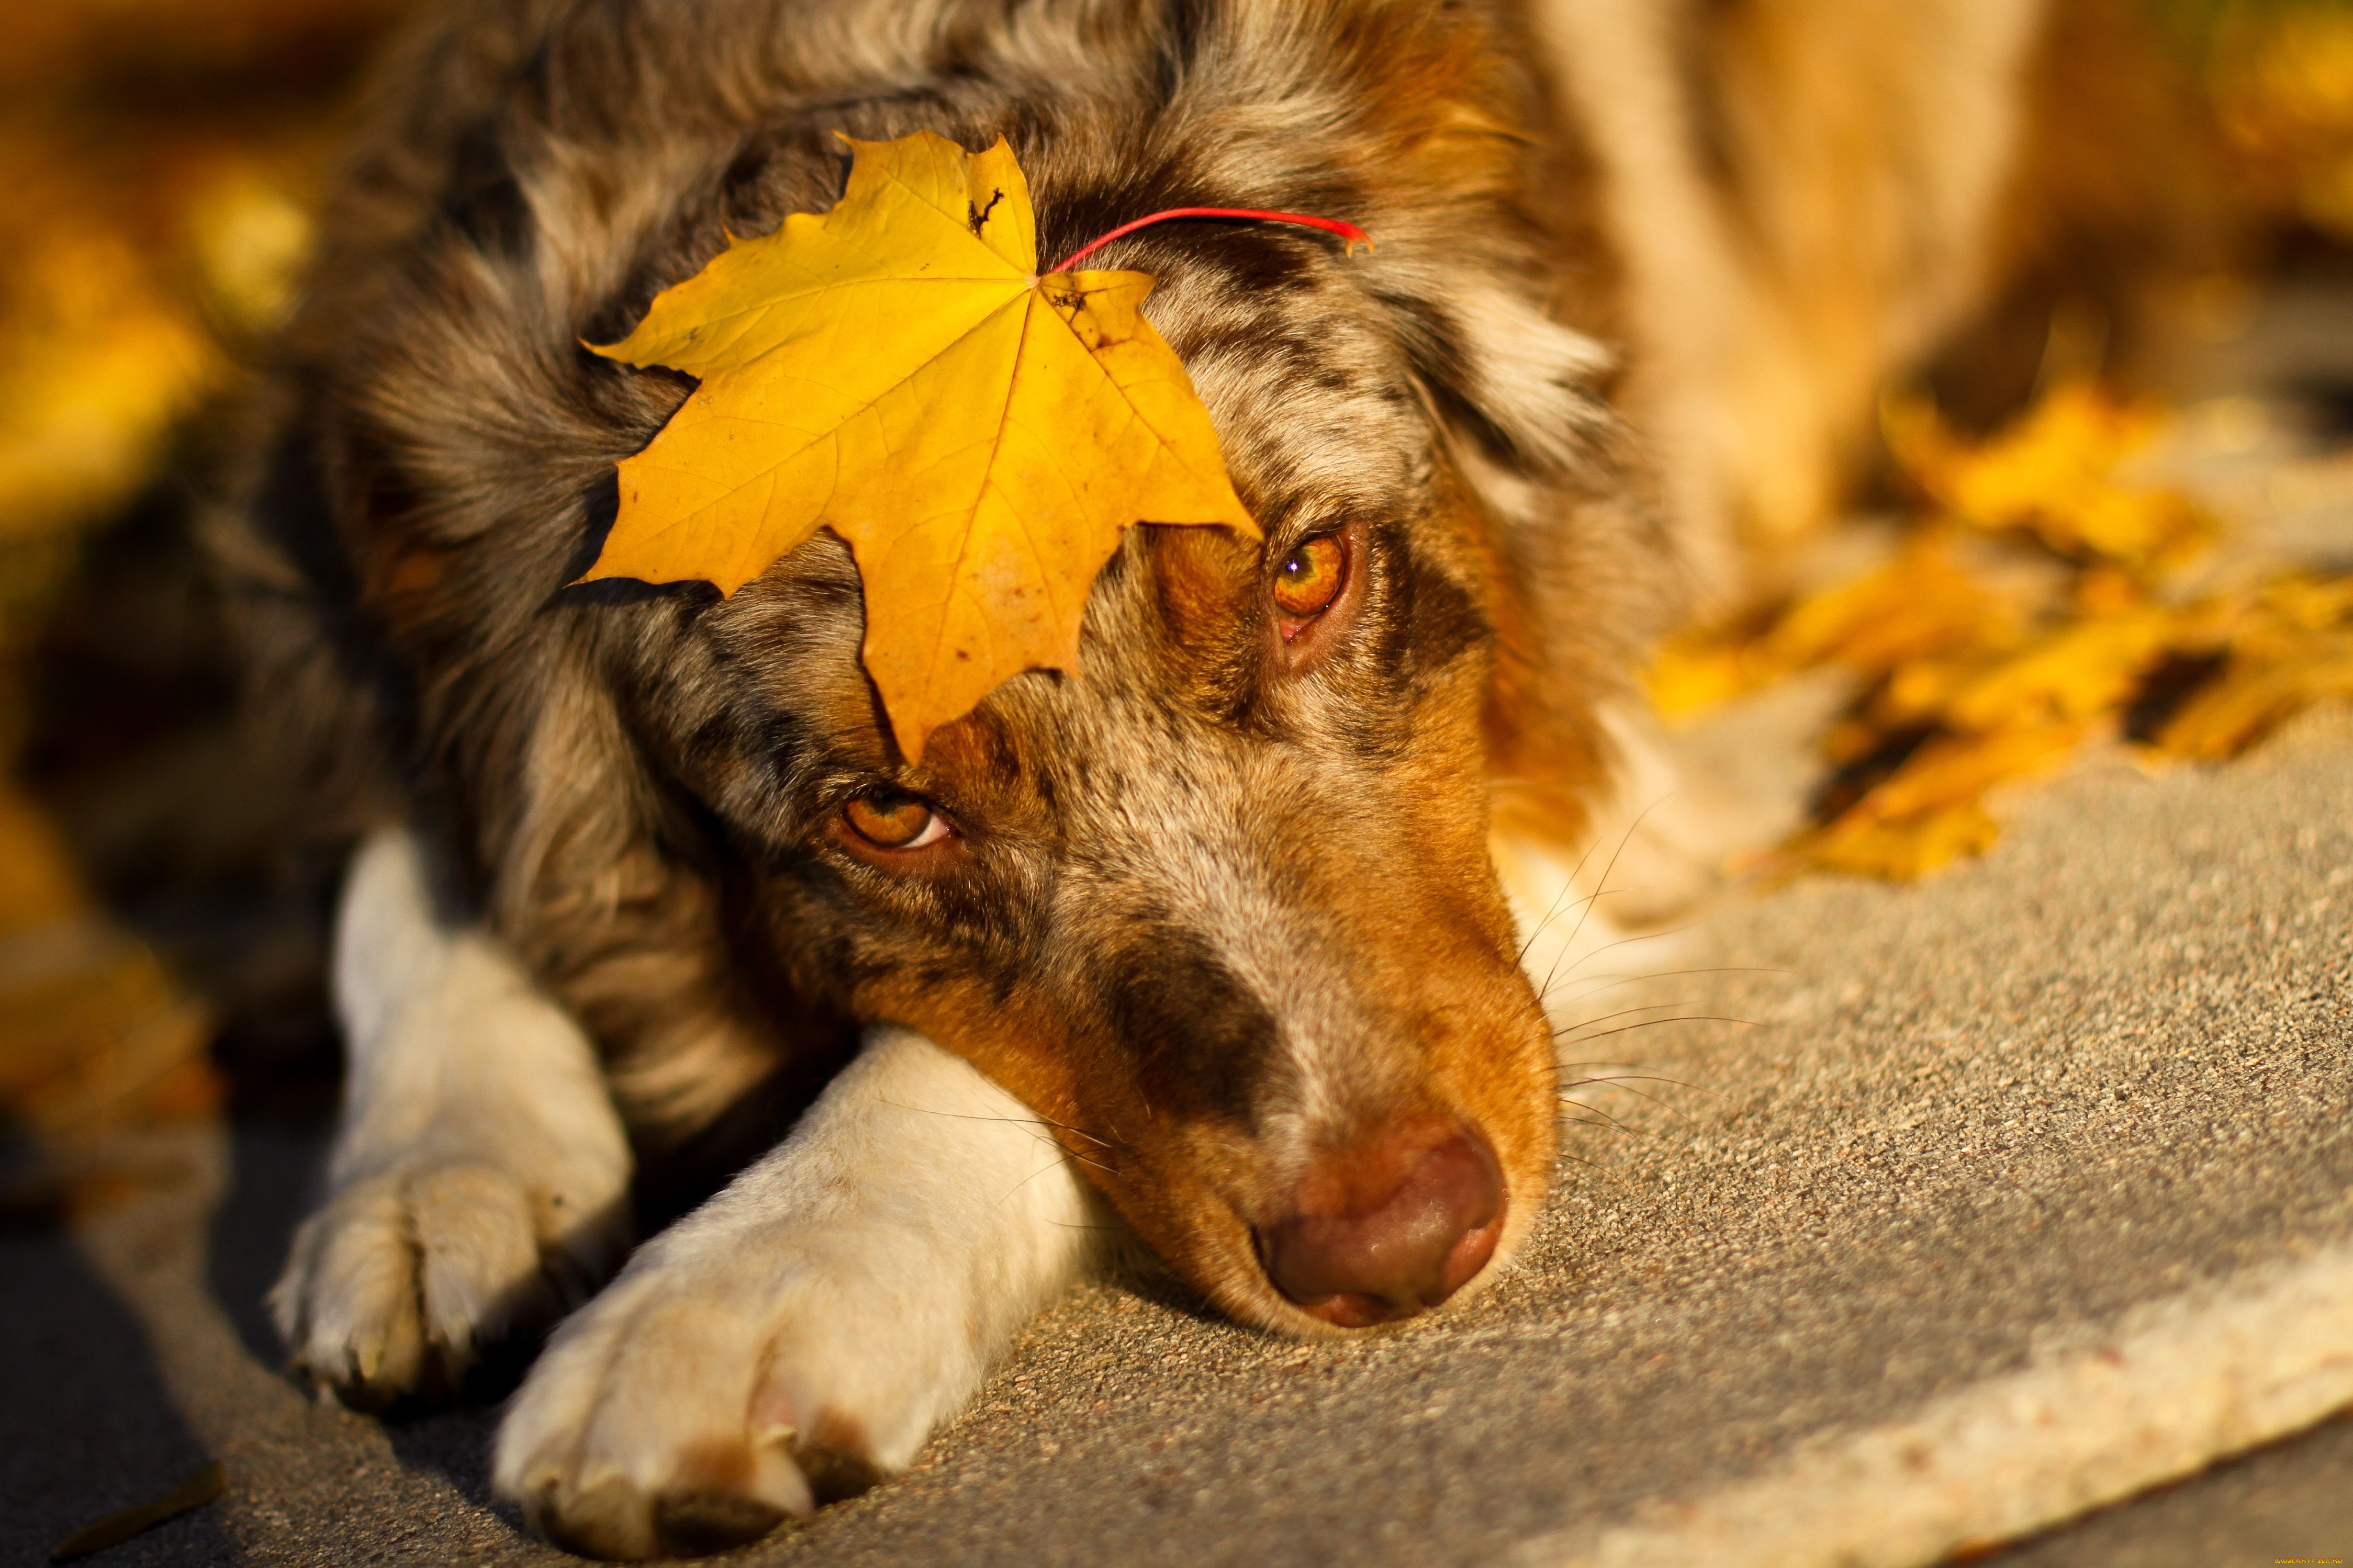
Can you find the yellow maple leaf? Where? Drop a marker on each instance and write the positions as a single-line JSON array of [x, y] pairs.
[[2257, 695], [2077, 673], [2055, 474], [1869, 847], [1975, 673], [896, 369], [1920, 605]]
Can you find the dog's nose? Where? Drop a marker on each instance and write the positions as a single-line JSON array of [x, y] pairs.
[[1393, 1227]]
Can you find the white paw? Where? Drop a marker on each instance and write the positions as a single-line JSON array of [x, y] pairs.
[[799, 1336], [702, 1400], [395, 1286]]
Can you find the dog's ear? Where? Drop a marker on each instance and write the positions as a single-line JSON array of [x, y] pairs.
[[1504, 374]]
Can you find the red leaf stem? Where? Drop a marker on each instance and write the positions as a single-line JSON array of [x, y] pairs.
[[1348, 232]]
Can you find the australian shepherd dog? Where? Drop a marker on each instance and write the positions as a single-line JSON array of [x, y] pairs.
[[1204, 944]]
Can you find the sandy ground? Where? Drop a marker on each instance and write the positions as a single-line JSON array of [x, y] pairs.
[[1992, 1127]]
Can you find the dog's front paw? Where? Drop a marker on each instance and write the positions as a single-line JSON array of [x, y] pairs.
[[695, 1405], [393, 1286], [798, 1337]]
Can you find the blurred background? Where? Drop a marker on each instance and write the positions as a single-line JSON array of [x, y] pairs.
[[159, 937], [159, 158]]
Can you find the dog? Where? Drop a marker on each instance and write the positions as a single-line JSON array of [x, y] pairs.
[[1220, 943]]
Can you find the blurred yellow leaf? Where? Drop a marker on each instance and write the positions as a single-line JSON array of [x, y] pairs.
[[1918, 606], [2054, 475], [1927, 814], [2075, 674], [2257, 693], [1866, 847], [2281, 78], [1976, 676], [99, 363], [1694, 671], [93, 1031], [251, 237], [1957, 770]]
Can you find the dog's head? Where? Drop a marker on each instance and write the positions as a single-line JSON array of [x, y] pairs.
[[1218, 904]]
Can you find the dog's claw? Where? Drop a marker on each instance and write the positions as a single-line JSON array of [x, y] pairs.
[[702, 1521]]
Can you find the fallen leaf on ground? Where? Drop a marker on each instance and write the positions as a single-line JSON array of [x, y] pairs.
[[1920, 606], [100, 362], [896, 369], [2075, 674], [117, 1528], [2259, 690], [1958, 770], [1971, 681], [1868, 847], [2054, 475]]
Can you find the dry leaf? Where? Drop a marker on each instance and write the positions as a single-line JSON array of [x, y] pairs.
[[2054, 477], [2282, 81], [1975, 679], [1867, 846], [2257, 692], [896, 369], [1920, 605], [2076, 674], [100, 361], [94, 1032], [1957, 771], [117, 1528]]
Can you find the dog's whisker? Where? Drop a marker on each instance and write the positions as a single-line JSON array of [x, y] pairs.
[[1614, 1079], [1066, 1158], [1549, 915], [1605, 947], [1590, 1106], [1037, 1131], [1046, 1122], [1612, 983], [1600, 888], [1607, 1123], [1077, 1132], [1583, 904], [1655, 1024], [1661, 1101], [1621, 1012], [1074, 1155], [1566, 887]]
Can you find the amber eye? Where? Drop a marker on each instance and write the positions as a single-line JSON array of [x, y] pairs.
[[1310, 577], [889, 820]]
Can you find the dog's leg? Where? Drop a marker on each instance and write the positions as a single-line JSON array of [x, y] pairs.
[[480, 1178], [802, 1331]]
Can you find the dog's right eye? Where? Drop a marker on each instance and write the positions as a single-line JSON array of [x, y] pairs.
[[889, 820]]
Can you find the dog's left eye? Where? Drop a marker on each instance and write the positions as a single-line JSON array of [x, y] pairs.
[[889, 820], [1309, 578]]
